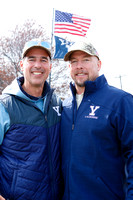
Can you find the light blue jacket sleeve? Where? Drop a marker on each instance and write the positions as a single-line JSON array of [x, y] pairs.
[[4, 122]]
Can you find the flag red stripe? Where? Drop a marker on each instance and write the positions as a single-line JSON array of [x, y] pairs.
[[69, 33], [79, 22], [72, 27], [67, 25], [69, 29], [81, 18], [85, 27]]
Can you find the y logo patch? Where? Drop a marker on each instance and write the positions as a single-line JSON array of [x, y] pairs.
[[92, 114], [93, 110]]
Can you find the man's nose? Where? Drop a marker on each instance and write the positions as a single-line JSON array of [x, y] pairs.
[[79, 64], [38, 64]]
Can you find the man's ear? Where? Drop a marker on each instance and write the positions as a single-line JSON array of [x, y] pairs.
[[21, 65], [99, 65]]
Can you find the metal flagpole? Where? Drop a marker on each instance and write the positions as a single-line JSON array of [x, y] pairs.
[[52, 35]]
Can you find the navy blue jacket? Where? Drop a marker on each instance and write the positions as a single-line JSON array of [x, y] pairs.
[[97, 144], [30, 151]]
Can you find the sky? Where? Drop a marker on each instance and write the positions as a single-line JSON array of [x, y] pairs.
[[111, 30]]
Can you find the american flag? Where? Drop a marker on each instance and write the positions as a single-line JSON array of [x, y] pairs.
[[71, 23]]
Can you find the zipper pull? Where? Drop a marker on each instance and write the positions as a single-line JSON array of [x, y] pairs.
[[72, 127], [46, 118]]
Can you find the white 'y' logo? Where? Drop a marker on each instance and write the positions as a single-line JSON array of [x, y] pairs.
[[56, 108], [93, 110]]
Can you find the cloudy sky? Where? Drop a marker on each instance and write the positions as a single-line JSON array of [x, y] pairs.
[[111, 30]]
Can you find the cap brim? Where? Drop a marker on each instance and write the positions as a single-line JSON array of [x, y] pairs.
[[67, 56]]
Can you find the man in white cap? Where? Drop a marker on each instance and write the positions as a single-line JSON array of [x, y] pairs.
[[96, 132], [29, 131]]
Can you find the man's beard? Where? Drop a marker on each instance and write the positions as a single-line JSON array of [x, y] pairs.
[[80, 84]]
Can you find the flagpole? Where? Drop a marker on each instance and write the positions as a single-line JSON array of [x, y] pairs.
[[52, 35]]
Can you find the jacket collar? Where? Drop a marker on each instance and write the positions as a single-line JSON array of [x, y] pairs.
[[15, 88], [91, 86], [46, 88]]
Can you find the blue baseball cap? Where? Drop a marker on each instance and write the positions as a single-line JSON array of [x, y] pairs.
[[36, 43]]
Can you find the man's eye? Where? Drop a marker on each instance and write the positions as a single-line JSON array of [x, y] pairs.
[[73, 61], [44, 60], [86, 60], [31, 59]]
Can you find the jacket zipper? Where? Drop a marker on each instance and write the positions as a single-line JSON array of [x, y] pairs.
[[72, 126]]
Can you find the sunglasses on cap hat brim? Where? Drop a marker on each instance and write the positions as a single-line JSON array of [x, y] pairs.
[[43, 44]]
